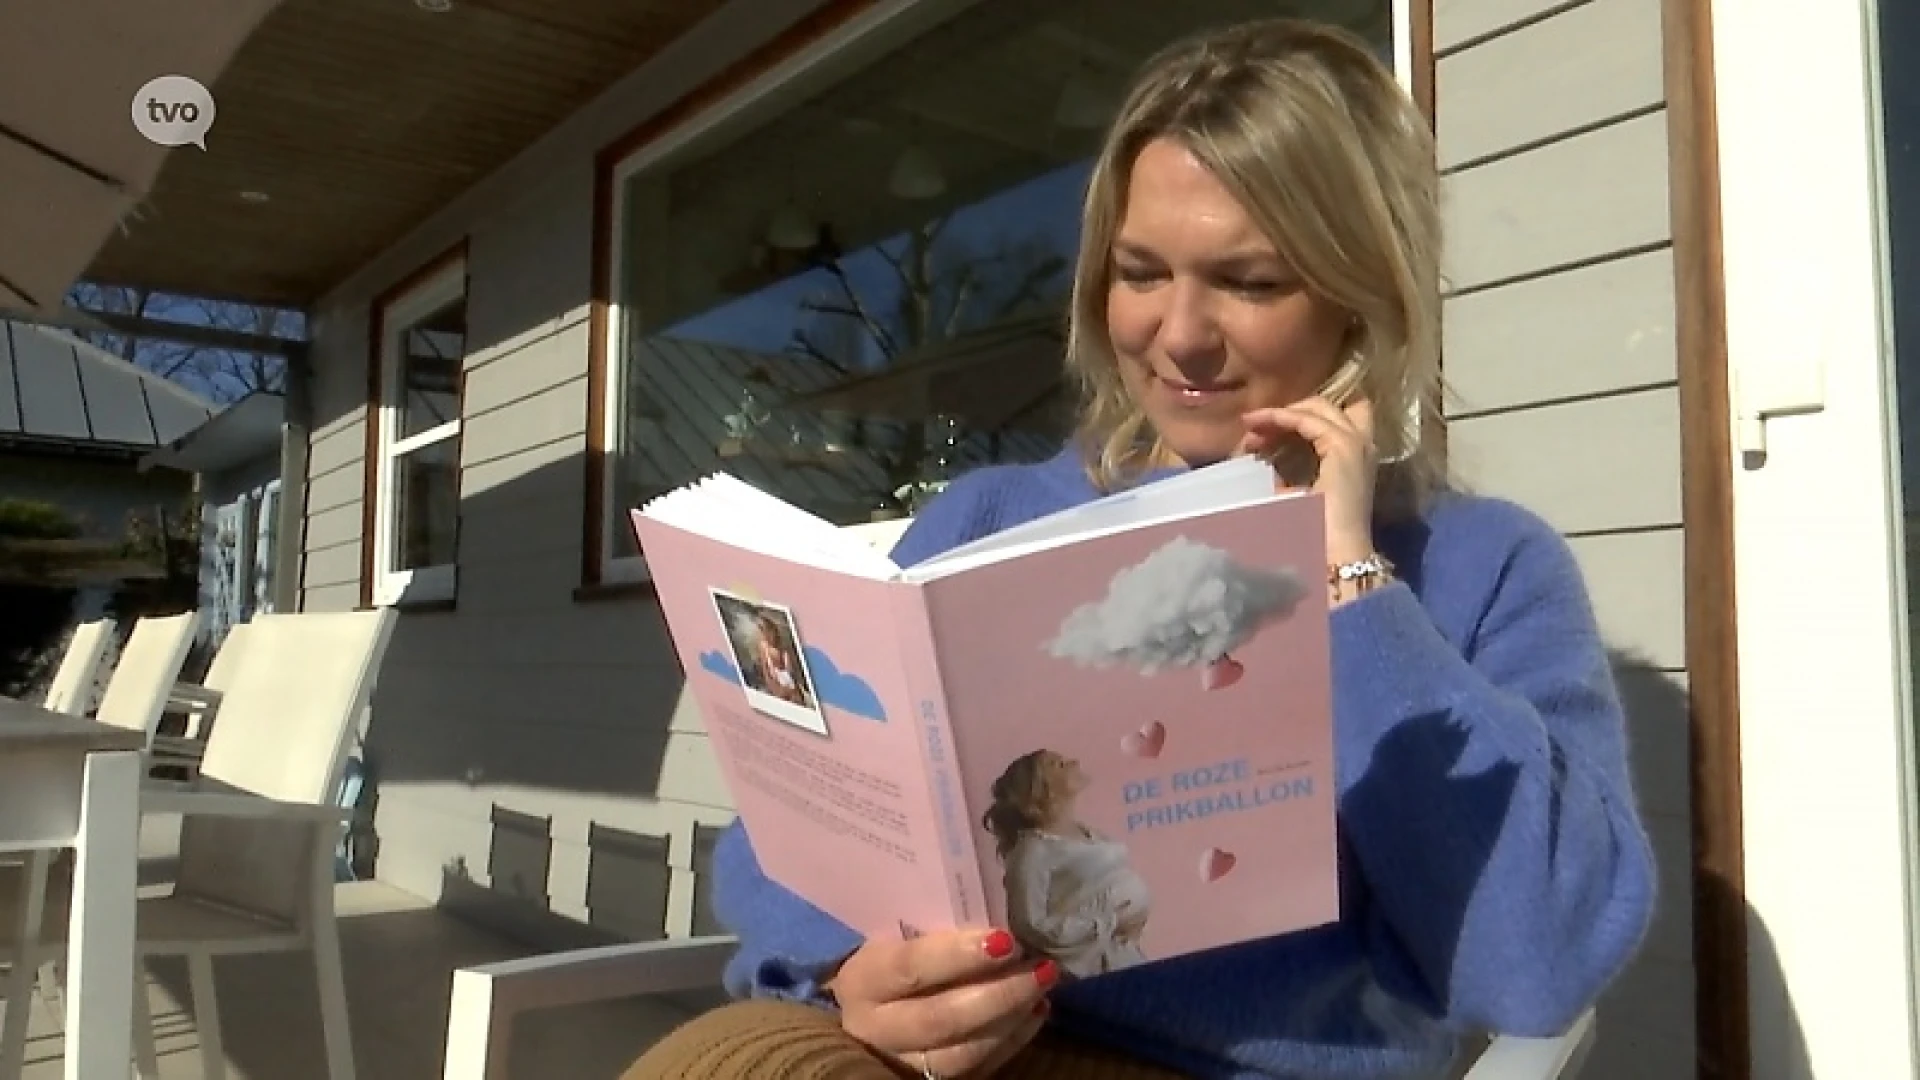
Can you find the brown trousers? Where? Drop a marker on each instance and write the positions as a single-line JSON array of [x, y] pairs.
[[774, 1040]]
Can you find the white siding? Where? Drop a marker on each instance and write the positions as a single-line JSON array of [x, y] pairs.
[[1561, 361]]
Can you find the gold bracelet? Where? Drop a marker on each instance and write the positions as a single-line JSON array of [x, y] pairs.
[[1364, 575]]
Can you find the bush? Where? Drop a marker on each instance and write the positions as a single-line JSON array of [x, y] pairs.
[[33, 635], [28, 519], [33, 626]]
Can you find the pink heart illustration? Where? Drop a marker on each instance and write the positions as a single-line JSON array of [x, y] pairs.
[[1222, 673], [1216, 864], [1147, 741]]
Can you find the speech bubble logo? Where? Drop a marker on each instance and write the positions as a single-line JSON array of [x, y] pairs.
[[173, 110]]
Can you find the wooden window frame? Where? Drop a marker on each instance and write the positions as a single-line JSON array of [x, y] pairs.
[[440, 280]]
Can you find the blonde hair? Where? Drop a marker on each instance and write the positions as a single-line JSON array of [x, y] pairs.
[[1310, 132], [1023, 797]]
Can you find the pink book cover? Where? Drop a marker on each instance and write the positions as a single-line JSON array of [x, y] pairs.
[[1119, 748]]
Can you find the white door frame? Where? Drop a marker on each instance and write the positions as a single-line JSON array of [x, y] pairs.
[[1825, 737]]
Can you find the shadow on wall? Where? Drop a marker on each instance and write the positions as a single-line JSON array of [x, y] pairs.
[[1647, 1026], [522, 702]]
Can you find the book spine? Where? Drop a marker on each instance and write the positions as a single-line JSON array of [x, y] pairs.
[[958, 858]]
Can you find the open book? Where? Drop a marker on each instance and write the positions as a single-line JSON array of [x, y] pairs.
[[1108, 730]]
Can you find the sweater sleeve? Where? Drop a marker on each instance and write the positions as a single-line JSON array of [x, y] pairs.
[[1485, 797], [788, 947]]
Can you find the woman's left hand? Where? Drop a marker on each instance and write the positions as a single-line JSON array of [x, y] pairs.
[[1343, 441]]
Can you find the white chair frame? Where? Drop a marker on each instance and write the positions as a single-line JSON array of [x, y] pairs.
[[488, 998]]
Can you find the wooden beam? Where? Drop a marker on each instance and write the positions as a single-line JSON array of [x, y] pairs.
[[84, 321], [1721, 992]]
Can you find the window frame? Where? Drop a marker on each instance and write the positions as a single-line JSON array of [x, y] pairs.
[[384, 585], [812, 55]]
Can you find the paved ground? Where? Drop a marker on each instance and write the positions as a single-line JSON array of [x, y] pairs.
[[399, 957]]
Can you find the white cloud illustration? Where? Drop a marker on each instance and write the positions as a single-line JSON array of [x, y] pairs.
[[1186, 605]]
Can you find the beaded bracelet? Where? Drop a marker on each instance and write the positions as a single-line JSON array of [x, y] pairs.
[[1365, 575]]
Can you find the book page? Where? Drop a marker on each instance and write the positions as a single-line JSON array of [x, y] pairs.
[[725, 508], [1234, 481], [800, 680]]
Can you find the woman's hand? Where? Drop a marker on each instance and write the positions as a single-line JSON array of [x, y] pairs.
[[1342, 439], [957, 1004]]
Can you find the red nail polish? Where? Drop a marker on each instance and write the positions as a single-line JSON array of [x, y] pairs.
[[998, 945], [1046, 973]]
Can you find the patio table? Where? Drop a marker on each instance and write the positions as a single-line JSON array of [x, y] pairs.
[[69, 782]]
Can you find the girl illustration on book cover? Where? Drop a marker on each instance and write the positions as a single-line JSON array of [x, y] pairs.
[[1072, 894]]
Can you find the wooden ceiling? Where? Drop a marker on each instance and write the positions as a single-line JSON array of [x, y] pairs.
[[358, 118]]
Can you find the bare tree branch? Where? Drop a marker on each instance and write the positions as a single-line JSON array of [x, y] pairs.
[[858, 310], [803, 344]]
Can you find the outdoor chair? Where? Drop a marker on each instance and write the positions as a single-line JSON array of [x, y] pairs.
[[486, 999], [143, 678], [257, 836], [71, 690], [202, 704]]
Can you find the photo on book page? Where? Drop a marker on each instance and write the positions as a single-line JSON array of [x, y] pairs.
[[771, 659]]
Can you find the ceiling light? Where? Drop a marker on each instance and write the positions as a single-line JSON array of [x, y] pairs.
[[255, 197], [435, 6]]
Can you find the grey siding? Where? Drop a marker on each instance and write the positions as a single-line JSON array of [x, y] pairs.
[[1560, 353], [523, 706]]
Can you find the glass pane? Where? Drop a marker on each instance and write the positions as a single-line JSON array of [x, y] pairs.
[[1899, 33], [429, 372], [866, 294], [427, 504]]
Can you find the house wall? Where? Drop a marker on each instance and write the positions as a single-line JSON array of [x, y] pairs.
[[527, 749], [1561, 353]]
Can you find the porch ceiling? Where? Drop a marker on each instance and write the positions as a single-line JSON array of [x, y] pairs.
[[357, 118]]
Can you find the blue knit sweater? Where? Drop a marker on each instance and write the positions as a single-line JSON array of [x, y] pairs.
[[1494, 872]]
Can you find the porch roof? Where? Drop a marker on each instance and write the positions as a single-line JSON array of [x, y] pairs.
[[342, 123], [57, 390]]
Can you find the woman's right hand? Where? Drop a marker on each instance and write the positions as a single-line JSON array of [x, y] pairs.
[[954, 1004]]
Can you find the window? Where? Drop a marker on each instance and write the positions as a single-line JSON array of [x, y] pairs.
[[416, 444], [851, 289]]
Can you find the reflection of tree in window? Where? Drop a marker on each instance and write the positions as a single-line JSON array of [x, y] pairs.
[[427, 477], [430, 371], [846, 301]]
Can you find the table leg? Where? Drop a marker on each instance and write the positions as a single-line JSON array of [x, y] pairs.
[[101, 935]]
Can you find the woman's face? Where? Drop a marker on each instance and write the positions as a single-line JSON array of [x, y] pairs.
[[1207, 320]]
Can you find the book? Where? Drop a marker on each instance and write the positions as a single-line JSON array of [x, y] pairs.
[[1108, 730]]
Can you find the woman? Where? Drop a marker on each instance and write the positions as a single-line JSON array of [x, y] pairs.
[[1072, 894], [1258, 273]]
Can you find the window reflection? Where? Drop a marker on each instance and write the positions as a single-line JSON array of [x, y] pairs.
[[867, 294]]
